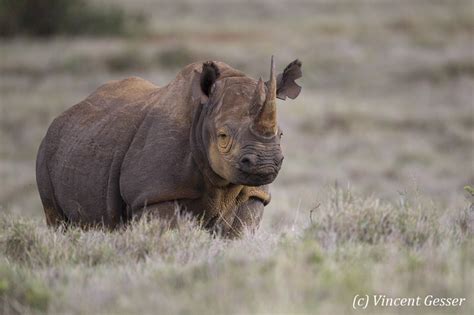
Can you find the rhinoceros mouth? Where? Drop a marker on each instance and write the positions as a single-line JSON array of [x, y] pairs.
[[258, 180], [263, 176]]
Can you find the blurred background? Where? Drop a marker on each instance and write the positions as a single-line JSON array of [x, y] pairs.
[[386, 107]]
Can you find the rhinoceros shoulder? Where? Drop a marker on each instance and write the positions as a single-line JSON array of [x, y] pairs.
[[129, 89], [132, 82]]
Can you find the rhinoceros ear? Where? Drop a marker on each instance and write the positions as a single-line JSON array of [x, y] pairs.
[[286, 85], [204, 80], [210, 73]]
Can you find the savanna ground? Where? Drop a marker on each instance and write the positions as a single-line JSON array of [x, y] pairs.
[[370, 200]]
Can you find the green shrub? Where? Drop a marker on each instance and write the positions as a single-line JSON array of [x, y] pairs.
[[21, 291], [73, 17]]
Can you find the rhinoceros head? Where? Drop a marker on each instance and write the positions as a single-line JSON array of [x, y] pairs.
[[239, 128]]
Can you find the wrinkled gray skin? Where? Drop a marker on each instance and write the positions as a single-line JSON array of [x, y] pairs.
[[207, 142]]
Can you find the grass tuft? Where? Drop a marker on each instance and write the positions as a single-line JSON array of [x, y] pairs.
[[351, 247]]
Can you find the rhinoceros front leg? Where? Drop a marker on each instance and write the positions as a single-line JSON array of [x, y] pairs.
[[247, 217], [249, 214]]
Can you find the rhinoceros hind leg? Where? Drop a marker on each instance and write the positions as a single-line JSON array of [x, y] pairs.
[[53, 213], [53, 217]]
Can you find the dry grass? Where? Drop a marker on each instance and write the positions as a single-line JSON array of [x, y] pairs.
[[386, 107], [352, 247]]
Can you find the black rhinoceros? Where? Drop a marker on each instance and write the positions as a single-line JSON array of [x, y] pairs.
[[208, 142]]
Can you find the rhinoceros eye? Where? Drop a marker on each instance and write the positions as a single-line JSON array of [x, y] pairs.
[[223, 138]]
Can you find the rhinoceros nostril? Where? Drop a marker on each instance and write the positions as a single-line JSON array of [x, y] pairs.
[[248, 161], [245, 161]]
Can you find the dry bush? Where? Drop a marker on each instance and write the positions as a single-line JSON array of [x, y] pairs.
[[352, 246], [72, 17]]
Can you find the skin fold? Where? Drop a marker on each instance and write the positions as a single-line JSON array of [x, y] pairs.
[[207, 144]]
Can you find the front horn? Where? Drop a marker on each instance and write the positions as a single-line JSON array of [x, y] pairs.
[[266, 120]]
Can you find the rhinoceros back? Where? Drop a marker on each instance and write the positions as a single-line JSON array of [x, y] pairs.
[[79, 160]]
